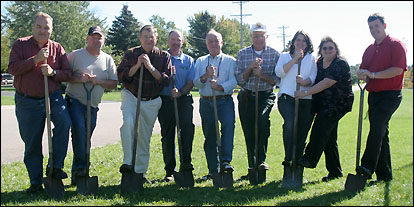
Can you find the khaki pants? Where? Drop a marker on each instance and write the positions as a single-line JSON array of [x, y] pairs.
[[148, 115]]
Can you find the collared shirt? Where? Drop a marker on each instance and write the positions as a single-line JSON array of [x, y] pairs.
[[225, 65], [287, 85], [246, 56], [102, 66], [28, 77], [184, 68], [378, 57], [150, 86]]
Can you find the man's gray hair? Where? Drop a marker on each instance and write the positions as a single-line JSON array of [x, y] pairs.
[[176, 31], [42, 14], [214, 33]]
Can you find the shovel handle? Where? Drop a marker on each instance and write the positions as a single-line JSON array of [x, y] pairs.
[[295, 121], [49, 128], [138, 123], [88, 126], [256, 122], [177, 118], [218, 139], [361, 107]]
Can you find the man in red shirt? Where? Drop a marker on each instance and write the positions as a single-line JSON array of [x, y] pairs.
[[26, 64], [384, 63]]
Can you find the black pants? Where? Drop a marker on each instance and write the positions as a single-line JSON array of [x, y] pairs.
[[247, 119], [377, 157], [166, 117], [323, 138]]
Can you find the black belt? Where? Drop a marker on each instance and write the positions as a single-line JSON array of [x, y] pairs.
[[253, 93], [28, 96], [217, 97], [148, 99]]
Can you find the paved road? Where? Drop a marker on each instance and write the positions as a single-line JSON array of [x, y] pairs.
[[106, 132]]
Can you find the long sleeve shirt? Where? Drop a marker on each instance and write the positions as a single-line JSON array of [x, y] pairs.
[[151, 87], [28, 77], [225, 66], [246, 56]]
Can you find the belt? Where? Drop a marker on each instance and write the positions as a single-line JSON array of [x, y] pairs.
[[149, 99], [217, 97], [28, 96], [253, 93]]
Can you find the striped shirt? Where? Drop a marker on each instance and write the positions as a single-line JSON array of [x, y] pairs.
[[246, 56]]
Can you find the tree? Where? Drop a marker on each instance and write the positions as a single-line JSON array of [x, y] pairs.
[[230, 31], [5, 51], [71, 21], [124, 32], [200, 24], [163, 29]]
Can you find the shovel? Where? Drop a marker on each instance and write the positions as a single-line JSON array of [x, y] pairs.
[[184, 178], [221, 179], [355, 183], [256, 176], [54, 187], [132, 182], [293, 174], [87, 185]]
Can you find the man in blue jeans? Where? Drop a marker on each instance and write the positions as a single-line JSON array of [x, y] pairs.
[[94, 68], [221, 66], [26, 64]]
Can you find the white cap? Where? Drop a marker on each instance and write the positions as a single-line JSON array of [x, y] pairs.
[[258, 27]]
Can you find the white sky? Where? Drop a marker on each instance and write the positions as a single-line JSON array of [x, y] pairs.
[[346, 22]]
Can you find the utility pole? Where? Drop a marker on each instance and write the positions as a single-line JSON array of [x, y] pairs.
[[241, 20], [283, 35]]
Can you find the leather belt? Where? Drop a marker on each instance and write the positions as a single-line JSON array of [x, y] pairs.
[[28, 96], [148, 99], [253, 93], [217, 97]]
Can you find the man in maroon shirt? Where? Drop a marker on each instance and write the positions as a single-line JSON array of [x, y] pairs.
[[384, 63], [26, 64]]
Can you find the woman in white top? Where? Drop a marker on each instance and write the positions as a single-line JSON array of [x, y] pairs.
[[300, 49]]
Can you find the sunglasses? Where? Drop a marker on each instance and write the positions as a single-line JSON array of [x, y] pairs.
[[326, 48]]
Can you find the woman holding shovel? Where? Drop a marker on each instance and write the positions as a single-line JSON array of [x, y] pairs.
[[332, 99]]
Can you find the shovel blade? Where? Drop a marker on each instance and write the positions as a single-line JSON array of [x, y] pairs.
[[184, 179], [256, 176], [217, 181], [86, 185], [54, 187], [132, 182], [355, 183], [223, 179], [292, 176]]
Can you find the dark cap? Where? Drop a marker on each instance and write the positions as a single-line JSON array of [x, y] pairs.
[[95, 30]]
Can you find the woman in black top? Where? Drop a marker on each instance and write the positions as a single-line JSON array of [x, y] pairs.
[[332, 99]]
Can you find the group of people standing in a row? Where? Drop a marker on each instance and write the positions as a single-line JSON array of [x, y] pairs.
[[325, 96]]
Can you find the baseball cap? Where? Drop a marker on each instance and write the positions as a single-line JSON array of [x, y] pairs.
[[258, 27], [95, 30]]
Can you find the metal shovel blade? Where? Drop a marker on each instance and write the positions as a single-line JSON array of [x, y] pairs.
[[184, 179], [54, 187], [355, 183], [292, 176], [132, 182], [86, 185], [223, 179], [256, 176]]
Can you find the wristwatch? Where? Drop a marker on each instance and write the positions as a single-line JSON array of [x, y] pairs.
[[153, 69], [54, 73]]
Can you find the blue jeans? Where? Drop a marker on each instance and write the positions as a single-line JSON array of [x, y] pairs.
[[31, 115], [78, 115], [226, 116]]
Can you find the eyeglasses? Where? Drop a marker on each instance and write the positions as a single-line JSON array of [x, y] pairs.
[[326, 48]]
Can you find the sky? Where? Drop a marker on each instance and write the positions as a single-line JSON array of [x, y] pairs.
[[344, 21]]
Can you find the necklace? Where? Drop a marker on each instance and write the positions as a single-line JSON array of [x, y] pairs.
[[218, 68]]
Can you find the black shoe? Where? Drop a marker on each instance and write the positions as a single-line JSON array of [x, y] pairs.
[[125, 168], [57, 173], [331, 177], [34, 188], [263, 166], [226, 167], [206, 177], [361, 170], [146, 181], [244, 177], [305, 163], [80, 172], [287, 163], [168, 178], [374, 182]]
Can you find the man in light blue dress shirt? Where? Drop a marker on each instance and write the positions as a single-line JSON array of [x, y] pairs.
[[224, 82], [184, 67]]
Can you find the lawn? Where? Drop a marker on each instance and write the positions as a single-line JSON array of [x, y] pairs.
[[106, 160]]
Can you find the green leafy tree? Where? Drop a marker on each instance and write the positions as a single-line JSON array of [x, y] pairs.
[[5, 51], [163, 29], [230, 30], [71, 20], [200, 24], [124, 32]]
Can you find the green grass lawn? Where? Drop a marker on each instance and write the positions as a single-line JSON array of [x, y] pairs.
[[106, 160]]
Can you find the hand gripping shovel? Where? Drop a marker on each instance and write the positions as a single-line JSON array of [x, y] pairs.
[[355, 183], [54, 187], [131, 181], [86, 185], [185, 177], [256, 176], [222, 179], [293, 174]]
